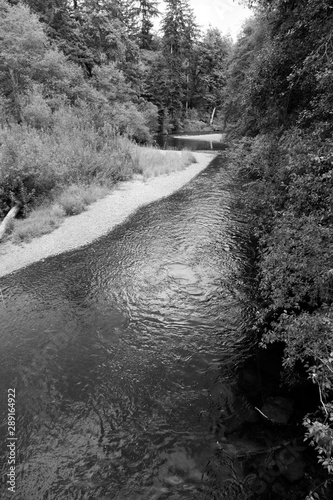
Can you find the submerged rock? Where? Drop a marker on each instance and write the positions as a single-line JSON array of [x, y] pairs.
[[173, 480], [291, 463], [278, 409], [295, 471], [242, 448]]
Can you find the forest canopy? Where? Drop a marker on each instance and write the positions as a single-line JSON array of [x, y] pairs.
[[107, 55]]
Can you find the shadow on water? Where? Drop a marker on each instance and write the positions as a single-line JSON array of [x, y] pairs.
[[116, 349]]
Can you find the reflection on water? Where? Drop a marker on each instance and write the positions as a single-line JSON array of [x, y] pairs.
[[179, 142], [115, 348]]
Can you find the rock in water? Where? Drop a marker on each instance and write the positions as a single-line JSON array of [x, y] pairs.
[[173, 480], [278, 409]]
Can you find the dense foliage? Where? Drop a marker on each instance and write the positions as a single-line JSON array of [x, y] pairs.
[[279, 108]]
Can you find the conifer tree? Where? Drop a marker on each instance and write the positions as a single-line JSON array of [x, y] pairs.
[[147, 10], [180, 31]]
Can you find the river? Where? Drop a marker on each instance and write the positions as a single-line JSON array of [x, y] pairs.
[[122, 353]]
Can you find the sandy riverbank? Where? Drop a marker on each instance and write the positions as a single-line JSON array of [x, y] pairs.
[[99, 218], [203, 137]]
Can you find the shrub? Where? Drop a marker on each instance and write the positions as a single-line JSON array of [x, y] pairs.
[[127, 120], [150, 113], [73, 200], [295, 264], [37, 113], [26, 174]]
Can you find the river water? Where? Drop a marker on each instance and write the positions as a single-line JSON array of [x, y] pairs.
[[119, 350], [190, 141]]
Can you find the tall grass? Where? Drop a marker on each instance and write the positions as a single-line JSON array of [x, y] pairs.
[[41, 221], [151, 162]]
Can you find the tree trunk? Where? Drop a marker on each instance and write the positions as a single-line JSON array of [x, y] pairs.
[[11, 215], [212, 117]]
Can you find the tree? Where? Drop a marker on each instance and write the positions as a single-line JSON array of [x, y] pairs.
[[62, 21], [34, 76], [290, 80], [108, 38], [147, 10], [111, 82], [210, 70], [180, 32], [22, 45], [180, 29], [240, 115]]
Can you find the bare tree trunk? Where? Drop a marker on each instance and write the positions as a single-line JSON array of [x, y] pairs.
[[11, 215], [212, 117]]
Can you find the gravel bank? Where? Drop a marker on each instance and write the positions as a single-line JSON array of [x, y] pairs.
[[203, 137], [99, 218]]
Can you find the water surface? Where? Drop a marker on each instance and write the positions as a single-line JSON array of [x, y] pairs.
[[116, 349], [184, 141]]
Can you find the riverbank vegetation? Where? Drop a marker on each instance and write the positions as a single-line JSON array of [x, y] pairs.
[[279, 112], [58, 172], [66, 200]]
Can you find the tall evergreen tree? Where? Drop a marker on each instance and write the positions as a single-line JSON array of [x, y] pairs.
[[147, 10], [63, 26], [180, 31], [210, 70], [107, 31]]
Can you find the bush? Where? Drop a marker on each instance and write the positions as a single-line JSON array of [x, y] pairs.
[[72, 200], [37, 113], [295, 264], [150, 113], [26, 173]]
